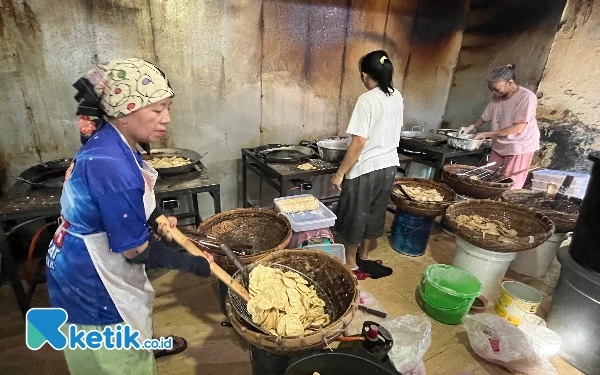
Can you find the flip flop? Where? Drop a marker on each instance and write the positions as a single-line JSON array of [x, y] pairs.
[[360, 274], [380, 262], [376, 270], [176, 350]]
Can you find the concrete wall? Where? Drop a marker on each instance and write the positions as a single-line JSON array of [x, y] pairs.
[[569, 108], [499, 33], [245, 72]]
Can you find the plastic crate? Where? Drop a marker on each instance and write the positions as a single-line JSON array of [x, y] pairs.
[[323, 217], [557, 177], [335, 249]]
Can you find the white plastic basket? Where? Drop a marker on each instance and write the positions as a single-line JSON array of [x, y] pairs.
[[323, 217], [577, 192], [557, 177]]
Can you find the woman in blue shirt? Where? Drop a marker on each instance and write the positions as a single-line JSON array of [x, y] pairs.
[[96, 261]]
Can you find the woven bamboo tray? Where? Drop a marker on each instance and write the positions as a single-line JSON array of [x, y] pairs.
[[335, 279], [464, 185], [533, 228], [264, 229], [429, 209], [564, 215]]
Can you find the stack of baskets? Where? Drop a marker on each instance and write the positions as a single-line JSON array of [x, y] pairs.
[[427, 209], [265, 230], [332, 276], [533, 228], [474, 188], [562, 213]]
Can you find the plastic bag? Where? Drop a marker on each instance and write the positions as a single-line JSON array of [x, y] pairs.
[[412, 337], [496, 340]]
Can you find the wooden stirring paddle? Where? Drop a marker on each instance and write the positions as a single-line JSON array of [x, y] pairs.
[[215, 269]]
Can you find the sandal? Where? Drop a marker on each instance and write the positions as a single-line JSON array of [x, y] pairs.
[[176, 349], [360, 274], [380, 262], [375, 269]]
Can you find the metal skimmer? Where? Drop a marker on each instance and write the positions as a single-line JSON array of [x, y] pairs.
[[240, 306]]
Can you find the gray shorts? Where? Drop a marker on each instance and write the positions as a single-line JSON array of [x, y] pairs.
[[363, 204]]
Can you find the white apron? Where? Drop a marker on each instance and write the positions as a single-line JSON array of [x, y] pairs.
[[126, 283]]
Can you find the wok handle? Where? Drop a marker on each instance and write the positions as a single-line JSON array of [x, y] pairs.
[[216, 270], [236, 261], [350, 338]]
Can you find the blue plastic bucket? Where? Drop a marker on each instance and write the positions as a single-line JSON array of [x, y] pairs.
[[410, 233]]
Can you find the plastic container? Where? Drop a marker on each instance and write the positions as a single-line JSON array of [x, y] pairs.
[[547, 340], [448, 288], [516, 301], [336, 249], [535, 262], [574, 314], [410, 233], [308, 220], [489, 267], [447, 316]]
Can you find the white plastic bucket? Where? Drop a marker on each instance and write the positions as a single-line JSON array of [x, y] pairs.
[[489, 267], [535, 262]]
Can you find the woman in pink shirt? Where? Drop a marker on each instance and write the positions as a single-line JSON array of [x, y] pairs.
[[514, 130]]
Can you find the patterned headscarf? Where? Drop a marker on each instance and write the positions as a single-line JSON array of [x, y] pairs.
[[118, 88]]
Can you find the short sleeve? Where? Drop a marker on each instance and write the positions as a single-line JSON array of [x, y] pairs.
[[118, 189], [360, 122], [487, 113], [525, 109]]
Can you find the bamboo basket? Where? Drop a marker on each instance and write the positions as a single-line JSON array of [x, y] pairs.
[[264, 229], [464, 185], [564, 216], [333, 277], [533, 228], [429, 209]]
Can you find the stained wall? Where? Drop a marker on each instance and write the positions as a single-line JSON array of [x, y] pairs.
[[245, 72]]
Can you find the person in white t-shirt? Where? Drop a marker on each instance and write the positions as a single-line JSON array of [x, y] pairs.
[[366, 174]]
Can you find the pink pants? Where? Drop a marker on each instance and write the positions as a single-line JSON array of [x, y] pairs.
[[513, 163]]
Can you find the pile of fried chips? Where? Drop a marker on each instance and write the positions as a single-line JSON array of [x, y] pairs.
[[485, 225], [420, 194], [283, 304], [301, 204]]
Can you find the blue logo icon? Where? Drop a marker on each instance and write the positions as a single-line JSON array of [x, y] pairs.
[[43, 326]]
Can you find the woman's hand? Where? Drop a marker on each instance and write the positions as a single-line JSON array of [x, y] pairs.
[[466, 129], [209, 257], [337, 180], [482, 135], [163, 230]]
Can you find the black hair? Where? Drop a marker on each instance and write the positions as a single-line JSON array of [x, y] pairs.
[[379, 67], [504, 73]]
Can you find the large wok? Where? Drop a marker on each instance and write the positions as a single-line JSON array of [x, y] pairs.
[[416, 139], [50, 174], [181, 152], [278, 153]]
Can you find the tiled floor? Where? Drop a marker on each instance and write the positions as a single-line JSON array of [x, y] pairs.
[[188, 306]]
